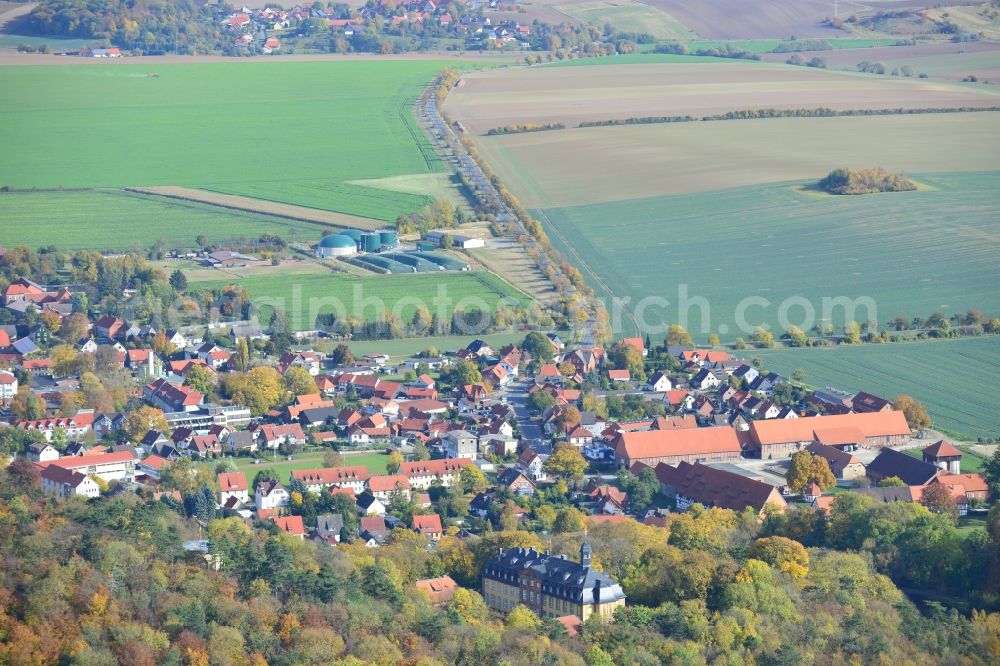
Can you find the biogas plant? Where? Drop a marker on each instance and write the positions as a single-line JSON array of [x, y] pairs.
[[352, 241], [381, 251]]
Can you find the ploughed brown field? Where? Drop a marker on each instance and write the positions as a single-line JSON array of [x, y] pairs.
[[600, 164], [772, 19], [571, 95], [939, 60]]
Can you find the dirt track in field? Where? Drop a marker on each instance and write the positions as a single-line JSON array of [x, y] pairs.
[[600, 92], [263, 207]]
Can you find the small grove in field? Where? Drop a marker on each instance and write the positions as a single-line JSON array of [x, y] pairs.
[[909, 253], [570, 168], [865, 181]]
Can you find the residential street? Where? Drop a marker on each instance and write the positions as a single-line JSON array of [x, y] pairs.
[[530, 429]]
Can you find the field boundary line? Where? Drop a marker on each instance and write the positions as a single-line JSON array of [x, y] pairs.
[[233, 204], [581, 263]]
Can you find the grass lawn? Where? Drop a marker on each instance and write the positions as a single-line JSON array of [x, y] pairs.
[[910, 253], [303, 297], [966, 524], [971, 461], [375, 462], [947, 376], [293, 132], [107, 219]]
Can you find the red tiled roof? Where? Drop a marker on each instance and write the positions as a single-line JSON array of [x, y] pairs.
[[174, 394], [429, 524], [155, 462], [387, 483], [433, 467], [635, 343], [291, 524], [440, 590], [679, 442], [941, 449], [332, 475], [780, 431], [973, 483], [230, 482], [76, 462]]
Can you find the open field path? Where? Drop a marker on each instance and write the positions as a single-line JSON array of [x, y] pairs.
[[263, 207]]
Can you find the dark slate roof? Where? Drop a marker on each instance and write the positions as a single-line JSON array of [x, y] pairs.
[[366, 499], [558, 576], [509, 476], [912, 471], [240, 439], [868, 402], [319, 415], [329, 524]]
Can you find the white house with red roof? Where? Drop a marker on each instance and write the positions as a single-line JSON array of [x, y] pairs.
[[8, 387], [424, 473], [114, 466], [75, 426], [273, 436], [233, 485], [151, 467], [354, 477], [429, 526], [237, 21], [384, 485], [62, 482]]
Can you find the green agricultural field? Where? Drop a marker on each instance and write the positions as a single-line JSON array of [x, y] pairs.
[[112, 219], [293, 132], [952, 378], [911, 253], [303, 297]]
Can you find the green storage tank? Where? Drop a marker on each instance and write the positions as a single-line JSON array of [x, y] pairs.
[[352, 233], [387, 237], [371, 242]]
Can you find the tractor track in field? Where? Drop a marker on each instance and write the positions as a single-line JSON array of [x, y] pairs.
[[262, 207], [582, 263]]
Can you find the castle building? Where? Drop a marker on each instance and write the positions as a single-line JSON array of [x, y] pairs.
[[550, 585]]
